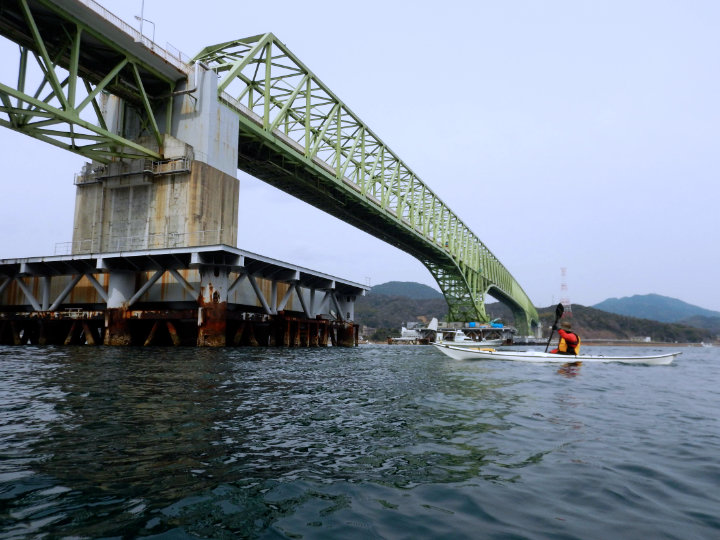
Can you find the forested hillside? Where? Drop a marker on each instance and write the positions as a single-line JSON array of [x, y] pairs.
[[409, 289], [591, 323], [386, 313]]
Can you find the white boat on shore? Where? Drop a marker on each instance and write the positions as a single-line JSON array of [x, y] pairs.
[[488, 353], [461, 339]]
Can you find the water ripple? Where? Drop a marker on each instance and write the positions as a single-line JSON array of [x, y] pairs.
[[386, 442]]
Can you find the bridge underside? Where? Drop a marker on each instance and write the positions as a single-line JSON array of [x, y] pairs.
[[302, 178], [270, 161], [296, 135], [251, 96], [206, 296], [524, 321]]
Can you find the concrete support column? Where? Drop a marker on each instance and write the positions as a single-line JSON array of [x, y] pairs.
[[212, 310], [131, 209], [347, 306], [273, 296], [46, 283], [346, 335], [121, 287]]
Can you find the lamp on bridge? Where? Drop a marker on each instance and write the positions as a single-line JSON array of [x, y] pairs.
[[141, 19]]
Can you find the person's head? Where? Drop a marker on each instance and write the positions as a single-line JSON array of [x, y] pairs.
[[565, 325]]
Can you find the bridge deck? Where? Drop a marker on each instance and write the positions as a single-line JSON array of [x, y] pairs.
[[294, 133], [101, 28]]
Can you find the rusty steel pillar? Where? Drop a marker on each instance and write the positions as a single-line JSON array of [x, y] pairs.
[[304, 331], [346, 335], [42, 332], [239, 333], [117, 327], [121, 287], [212, 310], [285, 333], [273, 337], [323, 337], [15, 334], [295, 338], [313, 334], [252, 340]]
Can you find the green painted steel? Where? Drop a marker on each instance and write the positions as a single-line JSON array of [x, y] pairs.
[[294, 133], [300, 137], [61, 80]]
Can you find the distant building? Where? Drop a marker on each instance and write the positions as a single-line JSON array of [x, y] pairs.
[[367, 331]]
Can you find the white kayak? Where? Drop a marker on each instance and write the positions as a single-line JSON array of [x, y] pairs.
[[488, 353]]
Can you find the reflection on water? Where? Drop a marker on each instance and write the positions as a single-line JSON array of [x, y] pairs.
[[251, 442], [570, 369]]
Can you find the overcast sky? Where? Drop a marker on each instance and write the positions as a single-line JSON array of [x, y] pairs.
[[575, 134]]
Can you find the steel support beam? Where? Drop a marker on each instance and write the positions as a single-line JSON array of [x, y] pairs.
[[71, 62], [297, 135]]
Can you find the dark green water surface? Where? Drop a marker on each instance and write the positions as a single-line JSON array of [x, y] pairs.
[[371, 442]]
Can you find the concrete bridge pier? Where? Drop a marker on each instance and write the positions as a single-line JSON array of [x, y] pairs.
[[188, 197], [121, 286], [153, 260], [212, 307]]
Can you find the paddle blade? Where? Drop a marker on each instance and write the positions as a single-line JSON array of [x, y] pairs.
[[559, 310]]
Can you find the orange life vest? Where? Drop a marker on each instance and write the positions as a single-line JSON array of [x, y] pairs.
[[565, 348]]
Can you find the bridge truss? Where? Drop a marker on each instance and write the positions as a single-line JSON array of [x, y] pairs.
[[298, 136], [294, 133], [67, 64]]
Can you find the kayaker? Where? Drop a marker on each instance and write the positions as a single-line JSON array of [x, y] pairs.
[[569, 340]]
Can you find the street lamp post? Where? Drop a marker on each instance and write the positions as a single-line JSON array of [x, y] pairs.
[[141, 19]]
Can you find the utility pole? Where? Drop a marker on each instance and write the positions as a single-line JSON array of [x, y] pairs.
[[564, 298]]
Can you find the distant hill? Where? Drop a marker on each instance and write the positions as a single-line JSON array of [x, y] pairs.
[[408, 289], [591, 323], [389, 305], [654, 307], [712, 324], [391, 312]]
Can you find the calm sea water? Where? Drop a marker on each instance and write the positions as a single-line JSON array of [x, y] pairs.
[[371, 442]]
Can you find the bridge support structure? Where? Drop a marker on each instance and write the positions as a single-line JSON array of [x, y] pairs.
[[166, 137], [211, 296], [297, 135], [189, 197]]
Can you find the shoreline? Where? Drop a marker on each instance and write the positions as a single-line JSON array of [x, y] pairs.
[[585, 343], [619, 343]]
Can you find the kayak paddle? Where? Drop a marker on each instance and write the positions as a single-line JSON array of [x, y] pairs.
[[559, 310]]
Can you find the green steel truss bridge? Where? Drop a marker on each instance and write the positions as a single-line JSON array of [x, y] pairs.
[[294, 134]]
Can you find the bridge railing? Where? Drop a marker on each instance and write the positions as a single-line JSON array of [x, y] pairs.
[[57, 100], [176, 58]]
